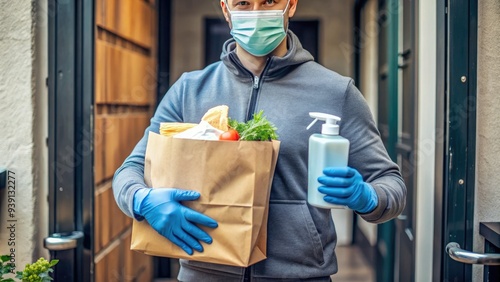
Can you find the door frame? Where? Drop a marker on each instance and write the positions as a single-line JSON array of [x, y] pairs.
[[405, 245], [164, 267], [388, 20], [164, 38], [71, 90], [455, 134]]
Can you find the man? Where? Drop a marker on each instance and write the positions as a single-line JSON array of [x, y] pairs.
[[264, 67]]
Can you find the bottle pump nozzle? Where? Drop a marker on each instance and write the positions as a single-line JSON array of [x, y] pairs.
[[330, 127]]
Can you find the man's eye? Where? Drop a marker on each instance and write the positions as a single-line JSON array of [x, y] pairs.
[[241, 3], [270, 2]]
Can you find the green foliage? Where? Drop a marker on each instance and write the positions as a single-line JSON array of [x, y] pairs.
[[5, 268], [38, 271], [256, 129]]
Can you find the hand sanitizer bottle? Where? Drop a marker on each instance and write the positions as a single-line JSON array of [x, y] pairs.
[[327, 149]]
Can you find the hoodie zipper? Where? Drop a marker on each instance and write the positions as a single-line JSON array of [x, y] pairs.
[[257, 83]]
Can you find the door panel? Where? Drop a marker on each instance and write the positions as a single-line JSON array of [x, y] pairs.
[[216, 33], [308, 33], [125, 96]]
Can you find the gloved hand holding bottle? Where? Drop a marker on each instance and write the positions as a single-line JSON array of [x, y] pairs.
[[161, 207], [345, 186]]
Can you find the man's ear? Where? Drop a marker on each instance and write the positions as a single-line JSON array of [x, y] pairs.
[[293, 8], [224, 10]]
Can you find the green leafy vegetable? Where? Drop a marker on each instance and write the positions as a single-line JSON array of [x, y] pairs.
[[256, 129]]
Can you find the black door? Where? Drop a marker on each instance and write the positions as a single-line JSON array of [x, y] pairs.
[[456, 125], [70, 138]]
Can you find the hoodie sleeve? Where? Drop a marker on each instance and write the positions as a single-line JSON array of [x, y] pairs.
[[369, 156], [130, 175]]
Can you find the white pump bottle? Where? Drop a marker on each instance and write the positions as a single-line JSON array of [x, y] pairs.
[[327, 149]]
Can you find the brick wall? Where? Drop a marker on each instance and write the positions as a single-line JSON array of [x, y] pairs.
[[125, 89]]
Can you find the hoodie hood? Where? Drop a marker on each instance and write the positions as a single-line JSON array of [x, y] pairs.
[[295, 55]]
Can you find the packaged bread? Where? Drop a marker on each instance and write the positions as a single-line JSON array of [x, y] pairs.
[[217, 117]]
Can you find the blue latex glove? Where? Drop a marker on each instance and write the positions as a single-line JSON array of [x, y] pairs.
[[161, 208], [345, 186]]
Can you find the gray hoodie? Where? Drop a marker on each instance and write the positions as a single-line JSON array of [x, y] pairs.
[[301, 238]]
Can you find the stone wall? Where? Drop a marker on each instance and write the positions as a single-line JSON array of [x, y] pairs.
[[488, 112], [19, 147]]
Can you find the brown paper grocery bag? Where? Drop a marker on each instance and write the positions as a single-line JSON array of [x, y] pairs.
[[234, 180]]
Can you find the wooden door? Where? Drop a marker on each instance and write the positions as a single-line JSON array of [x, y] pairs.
[[125, 91]]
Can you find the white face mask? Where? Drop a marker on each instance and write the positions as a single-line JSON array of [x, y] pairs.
[[258, 32]]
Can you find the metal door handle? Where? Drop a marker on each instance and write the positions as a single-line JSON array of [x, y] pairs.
[[63, 241], [455, 252]]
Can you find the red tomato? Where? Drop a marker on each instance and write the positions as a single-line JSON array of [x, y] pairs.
[[230, 135]]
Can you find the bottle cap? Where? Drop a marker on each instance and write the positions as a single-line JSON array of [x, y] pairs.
[[330, 127]]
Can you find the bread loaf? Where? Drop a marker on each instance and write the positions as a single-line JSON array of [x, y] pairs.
[[217, 117]]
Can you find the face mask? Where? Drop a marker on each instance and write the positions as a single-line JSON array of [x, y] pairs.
[[258, 32]]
